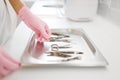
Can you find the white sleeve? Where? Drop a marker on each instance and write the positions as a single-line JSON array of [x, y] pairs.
[[8, 21]]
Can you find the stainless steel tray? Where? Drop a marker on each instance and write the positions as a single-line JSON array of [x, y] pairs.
[[81, 50]]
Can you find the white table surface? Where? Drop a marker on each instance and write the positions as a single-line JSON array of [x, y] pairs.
[[105, 35]]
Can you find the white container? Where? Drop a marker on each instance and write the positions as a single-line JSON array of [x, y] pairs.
[[80, 10]]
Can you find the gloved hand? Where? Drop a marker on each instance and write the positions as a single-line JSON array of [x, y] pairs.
[[7, 63], [32, 21]]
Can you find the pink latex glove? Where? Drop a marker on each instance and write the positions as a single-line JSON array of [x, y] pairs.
[[7, 63], [32, 21]]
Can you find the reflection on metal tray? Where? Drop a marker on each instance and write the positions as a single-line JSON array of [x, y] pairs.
[[67, 47]]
